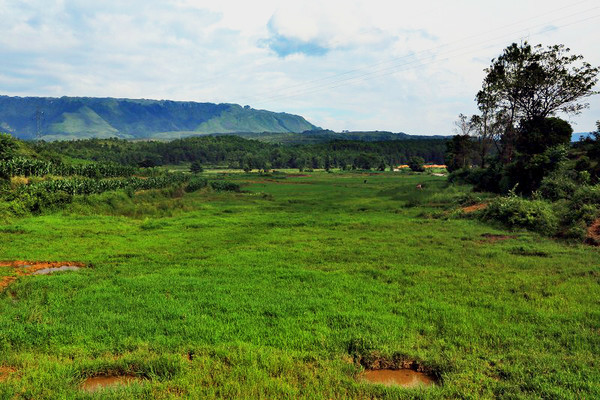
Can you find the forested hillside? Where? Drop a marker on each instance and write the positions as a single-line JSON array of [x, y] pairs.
[[84, 117]]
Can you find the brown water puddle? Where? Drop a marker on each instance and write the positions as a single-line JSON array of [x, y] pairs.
[[96, 383], [406, 378], [25, 268], [47, 271]]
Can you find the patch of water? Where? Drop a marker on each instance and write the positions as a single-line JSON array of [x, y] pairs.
[[100, 382], [407, 378], [46, 271]]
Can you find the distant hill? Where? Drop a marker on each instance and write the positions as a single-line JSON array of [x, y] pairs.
[[576, 136], [86, 117], [322, 136]]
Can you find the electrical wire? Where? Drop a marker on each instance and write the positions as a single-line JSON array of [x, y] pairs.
[[396, 67]]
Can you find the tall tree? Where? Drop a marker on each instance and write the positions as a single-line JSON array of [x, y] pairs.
[[528, 83], [458, 152]]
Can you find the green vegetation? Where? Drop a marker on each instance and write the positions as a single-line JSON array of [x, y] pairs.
[[289, 289], [239, 153], [196, 283], [416, 164], [521, 147], [83, 117]]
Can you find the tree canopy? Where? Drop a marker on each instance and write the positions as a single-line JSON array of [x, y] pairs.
[[518, 130]]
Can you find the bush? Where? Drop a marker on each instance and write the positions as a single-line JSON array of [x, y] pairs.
[[225, 186], [7, 146], [40, 200], [586, 195], [514, 211], [460, 176], [196, 167], [416, 164], [484, 179], [196, 184], [557, 187], [468, 199]]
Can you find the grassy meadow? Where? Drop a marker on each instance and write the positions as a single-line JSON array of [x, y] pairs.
[[290, 289]]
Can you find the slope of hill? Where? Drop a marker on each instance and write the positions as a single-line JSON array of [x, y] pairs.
[[84, 117]]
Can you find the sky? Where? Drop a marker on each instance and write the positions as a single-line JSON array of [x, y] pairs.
[[344, 65]]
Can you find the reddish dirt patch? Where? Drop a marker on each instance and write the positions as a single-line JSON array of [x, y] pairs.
[[474, 207], [593, 233], [407, 378], [97, 383], [5, 373], [6, 280], [25, 268], [491, 238]]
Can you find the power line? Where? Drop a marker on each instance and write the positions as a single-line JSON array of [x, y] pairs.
[[394, 68], [431, 49]]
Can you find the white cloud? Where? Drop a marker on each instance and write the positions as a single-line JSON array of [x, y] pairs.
[[342, 64]]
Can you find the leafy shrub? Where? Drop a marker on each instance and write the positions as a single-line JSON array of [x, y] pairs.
[[416, 164], [557, 186], [196, 184], [468, 199], [577, 231], [7, 146], [484, 179], [196, 167], [460, 176], [528, 171], [40, 200], [514, 211], [225, 186], [586, 195]]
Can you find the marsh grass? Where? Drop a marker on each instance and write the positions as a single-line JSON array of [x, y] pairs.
[[279, 291]]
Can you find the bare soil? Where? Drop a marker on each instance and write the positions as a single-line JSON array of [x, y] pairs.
[[407, 378], [25, 268], [473, 208], [97, 383], [593, 233], [5, 372]]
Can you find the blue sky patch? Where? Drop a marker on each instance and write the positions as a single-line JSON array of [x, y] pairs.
[[285, 46]]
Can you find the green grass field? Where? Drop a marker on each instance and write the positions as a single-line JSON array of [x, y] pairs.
[[289, 289]]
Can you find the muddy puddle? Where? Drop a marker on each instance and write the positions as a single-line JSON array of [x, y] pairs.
[[47, 271], [406, 378], [97, 383]]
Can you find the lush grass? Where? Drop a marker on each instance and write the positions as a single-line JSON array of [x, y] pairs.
[[275, 291]]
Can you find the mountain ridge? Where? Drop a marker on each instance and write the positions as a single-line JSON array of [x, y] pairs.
[[53, 118]]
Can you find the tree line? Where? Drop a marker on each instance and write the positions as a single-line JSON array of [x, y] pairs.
[[236, 152]]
